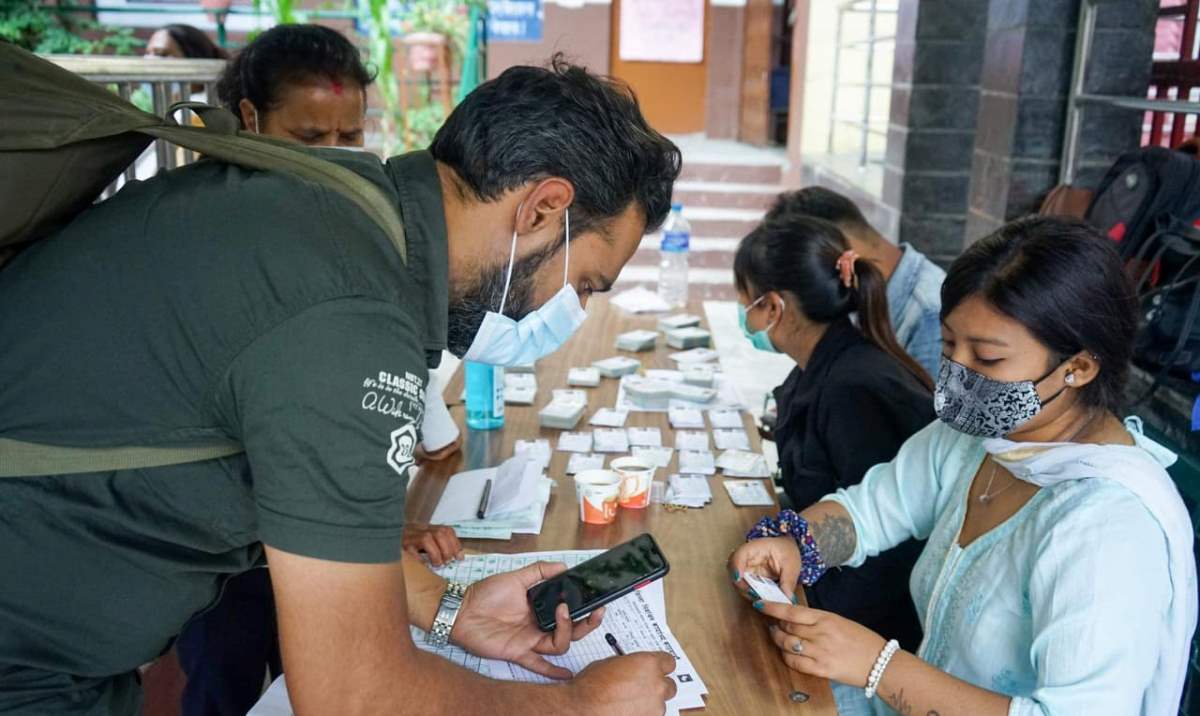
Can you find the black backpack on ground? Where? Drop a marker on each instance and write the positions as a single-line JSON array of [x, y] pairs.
[[1149, 203]]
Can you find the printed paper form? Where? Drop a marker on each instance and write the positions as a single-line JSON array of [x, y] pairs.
[[638, 621]]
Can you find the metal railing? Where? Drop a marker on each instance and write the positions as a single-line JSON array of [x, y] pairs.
[[870, 44], [1078, 98], [165, 80]]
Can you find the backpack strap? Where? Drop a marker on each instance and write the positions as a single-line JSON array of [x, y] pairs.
[[24, 459], [220, 139]]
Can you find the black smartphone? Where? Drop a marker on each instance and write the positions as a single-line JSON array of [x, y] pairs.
[[604, 578]]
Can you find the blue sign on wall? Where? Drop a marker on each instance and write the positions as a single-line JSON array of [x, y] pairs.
[[514, 20]]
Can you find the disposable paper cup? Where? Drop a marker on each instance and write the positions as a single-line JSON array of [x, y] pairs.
[[598, 492], [636, 474]]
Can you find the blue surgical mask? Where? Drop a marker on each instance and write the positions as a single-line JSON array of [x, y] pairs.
[[759, 339], [503, 341]]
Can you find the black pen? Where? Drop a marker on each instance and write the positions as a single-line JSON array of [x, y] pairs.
[[483, 500], [612, 641]]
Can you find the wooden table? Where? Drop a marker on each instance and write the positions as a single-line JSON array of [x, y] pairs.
[[726, 639]]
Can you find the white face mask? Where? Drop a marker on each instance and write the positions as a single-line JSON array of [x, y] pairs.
[[503, 341]]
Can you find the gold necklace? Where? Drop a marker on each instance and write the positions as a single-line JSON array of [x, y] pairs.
[[987, 496]]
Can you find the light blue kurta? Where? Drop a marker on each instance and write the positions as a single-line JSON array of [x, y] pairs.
[[1061, 606]]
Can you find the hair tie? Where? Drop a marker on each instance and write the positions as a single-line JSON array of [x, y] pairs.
[[845, 267]]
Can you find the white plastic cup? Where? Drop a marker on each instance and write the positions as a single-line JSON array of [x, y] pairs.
[[598, 492], [636, 475]]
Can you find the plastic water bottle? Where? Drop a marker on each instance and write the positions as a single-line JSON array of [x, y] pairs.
[[673, 263], [485, 396]]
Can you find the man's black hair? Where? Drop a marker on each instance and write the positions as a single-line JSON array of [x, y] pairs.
[[819, 203], [531, 123], [194, 43], [290, 54]]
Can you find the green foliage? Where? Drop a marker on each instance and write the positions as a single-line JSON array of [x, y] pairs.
[[385, 17], [422, 123], [284, 11], [45, 29]]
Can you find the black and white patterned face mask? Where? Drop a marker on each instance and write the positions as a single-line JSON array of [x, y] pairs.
[[977, 405]]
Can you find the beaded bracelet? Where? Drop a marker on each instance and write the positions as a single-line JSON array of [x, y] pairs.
[[881, 664], [789, 522]]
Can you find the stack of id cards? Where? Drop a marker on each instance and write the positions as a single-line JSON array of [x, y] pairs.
[[564, 410], [617, 366], [637, 341]]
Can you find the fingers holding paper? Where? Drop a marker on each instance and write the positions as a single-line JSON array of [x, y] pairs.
[[777, 558], [496, 621]]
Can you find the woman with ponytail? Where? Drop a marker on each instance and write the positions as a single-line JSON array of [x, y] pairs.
[[854, 397]]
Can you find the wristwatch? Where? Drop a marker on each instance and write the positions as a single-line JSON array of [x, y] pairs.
[[452, 599]]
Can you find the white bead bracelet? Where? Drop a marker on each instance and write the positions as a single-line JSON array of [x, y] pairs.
[[885, 656]]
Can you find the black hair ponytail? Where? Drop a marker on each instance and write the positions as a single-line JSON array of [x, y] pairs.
[[801, 255]]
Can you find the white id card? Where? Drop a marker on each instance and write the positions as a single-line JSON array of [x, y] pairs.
[[767, 590]]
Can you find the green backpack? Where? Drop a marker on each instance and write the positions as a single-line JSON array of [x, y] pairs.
[[65, 139]]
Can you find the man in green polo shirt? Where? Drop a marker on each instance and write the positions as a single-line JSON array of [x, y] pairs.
[[216, 302]]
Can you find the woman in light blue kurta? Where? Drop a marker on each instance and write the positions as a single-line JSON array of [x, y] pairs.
[[1058, 577]]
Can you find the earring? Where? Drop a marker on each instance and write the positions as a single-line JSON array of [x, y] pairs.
[[1070, 379]]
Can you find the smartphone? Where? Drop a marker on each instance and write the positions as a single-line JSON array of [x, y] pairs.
[[604, 578]]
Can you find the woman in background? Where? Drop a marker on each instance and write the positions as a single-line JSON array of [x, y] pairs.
[[183, 42], [1058, 576], [853, 400]]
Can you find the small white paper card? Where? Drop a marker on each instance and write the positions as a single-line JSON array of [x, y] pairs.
[[682, 418], [696, 462], [725, 419], [581, 461], [609, 418], [731, 439], [749, 493], [657, 456], [539, 450], [691, 440], [645, 437], [575, 442], [611, 440], [766, 589]]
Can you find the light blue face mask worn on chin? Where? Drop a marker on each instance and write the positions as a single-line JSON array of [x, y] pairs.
[[759, 339], [505, 342]]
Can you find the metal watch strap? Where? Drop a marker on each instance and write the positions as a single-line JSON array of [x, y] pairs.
[[452, 599]]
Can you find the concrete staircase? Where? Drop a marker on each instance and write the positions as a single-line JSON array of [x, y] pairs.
[[725, 189]]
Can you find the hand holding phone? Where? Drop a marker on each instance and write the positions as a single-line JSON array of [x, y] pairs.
[[598, 581]]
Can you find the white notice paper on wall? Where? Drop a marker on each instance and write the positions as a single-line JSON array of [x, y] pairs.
[[662, 30]]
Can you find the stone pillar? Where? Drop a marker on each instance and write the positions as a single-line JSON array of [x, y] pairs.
[[935, 95], [1028, 60]]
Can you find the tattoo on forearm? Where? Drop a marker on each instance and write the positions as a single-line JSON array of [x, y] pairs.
[[901, 704], [835, 538]]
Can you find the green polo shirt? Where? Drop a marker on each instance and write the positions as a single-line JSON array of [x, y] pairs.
[[209, 301]]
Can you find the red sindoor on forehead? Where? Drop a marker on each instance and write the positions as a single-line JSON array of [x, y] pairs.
[[337, 88]]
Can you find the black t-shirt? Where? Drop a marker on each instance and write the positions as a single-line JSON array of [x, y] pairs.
[[210, 301], [851, 409]]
